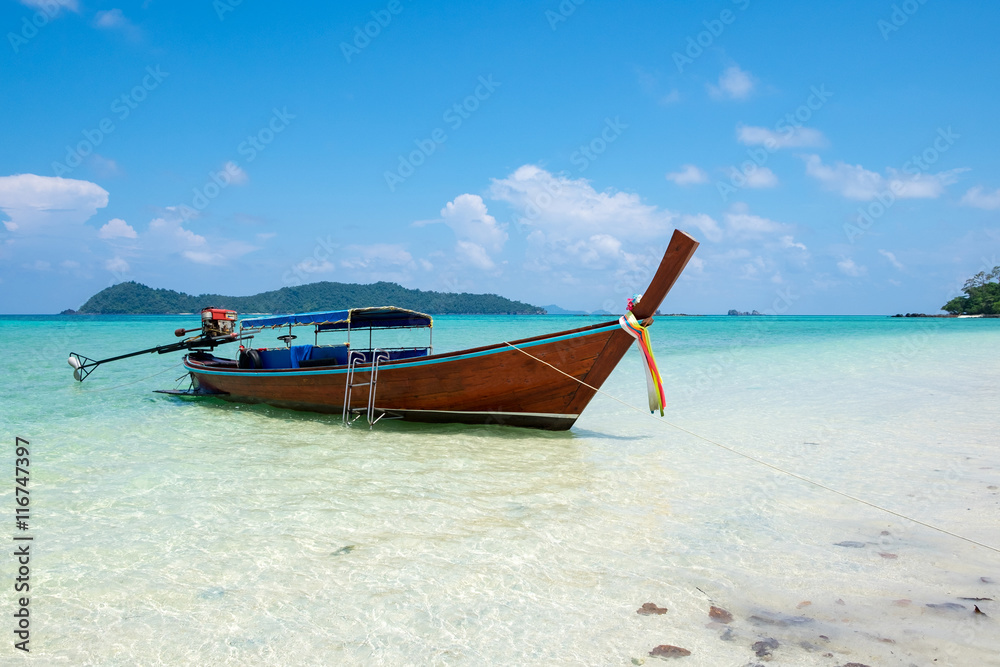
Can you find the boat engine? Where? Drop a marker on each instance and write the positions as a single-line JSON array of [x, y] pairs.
[[217, 322], [218, 327]]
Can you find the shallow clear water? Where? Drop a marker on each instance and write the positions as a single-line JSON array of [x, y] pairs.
[[171, 531]]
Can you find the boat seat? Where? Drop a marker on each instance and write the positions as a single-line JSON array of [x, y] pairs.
[[327, 355], [323, 355], [275, 358], [319, 355]]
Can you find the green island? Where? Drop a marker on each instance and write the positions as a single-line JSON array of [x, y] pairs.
[[132, 298], [982, 295]]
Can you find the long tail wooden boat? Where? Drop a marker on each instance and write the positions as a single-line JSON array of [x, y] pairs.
[[540, 382], [517, 383]]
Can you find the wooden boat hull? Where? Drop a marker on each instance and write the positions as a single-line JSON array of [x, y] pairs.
[[541, 382], [491, 385]]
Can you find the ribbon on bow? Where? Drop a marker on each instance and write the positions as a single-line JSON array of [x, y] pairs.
[[654, 385]]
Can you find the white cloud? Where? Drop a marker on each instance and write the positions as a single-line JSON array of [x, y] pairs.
[[40, 265], [33, 202], [600, 251], [474, 255], [742, 224], [671, 98], [761, 177], [117, 228], [978, 197], [114, 19], [695, 265], [849, 268], [755, 268], [852, 181], [688, 175], [117, 265], [468, 218], [921, 186], [789, 242], [705, 224], [220, 252], [790, 137], [564, 207], [375, 256], [69, 264], [856, 182], [169, 234], [892, 259], [477, 233], [311, 265], [735, 84], [567, 223], [51, 7]]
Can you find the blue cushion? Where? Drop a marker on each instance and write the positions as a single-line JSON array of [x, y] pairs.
[[276, 358]]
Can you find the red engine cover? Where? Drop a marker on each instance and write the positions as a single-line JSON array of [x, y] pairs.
[[218, 314]]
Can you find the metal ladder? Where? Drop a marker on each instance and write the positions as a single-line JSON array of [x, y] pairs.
[[378, 355]]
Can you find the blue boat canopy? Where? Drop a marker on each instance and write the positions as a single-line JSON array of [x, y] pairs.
[[381, 317]]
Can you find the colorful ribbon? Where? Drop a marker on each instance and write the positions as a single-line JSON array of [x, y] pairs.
[[654, 386]]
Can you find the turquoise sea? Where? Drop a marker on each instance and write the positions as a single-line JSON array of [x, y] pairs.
[[171, 531]]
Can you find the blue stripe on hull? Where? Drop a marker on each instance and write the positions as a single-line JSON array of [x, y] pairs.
[[392, 365]]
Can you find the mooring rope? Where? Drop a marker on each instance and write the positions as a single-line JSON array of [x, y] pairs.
[[761, 461]]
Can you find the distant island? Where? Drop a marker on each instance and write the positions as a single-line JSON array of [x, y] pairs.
[[982, 295], [132, 298], [982, 298], [736, 312]]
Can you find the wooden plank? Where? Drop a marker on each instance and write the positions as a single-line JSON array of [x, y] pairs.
[[678, 254]]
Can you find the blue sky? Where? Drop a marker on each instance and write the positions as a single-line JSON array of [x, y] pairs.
[[835, 158]]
